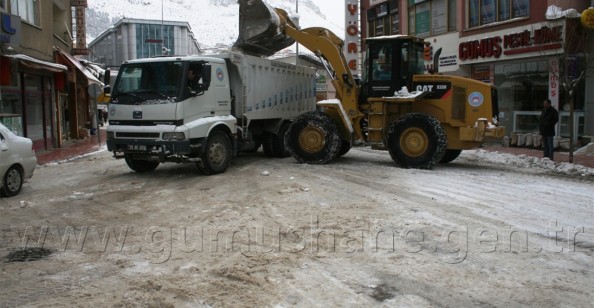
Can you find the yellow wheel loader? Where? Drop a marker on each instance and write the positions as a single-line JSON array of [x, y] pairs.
[[421, 119]]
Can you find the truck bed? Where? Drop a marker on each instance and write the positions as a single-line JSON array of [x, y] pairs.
[[267, 89]]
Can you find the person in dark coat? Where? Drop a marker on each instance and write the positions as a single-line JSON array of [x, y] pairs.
[[193, 80], [548, 118]]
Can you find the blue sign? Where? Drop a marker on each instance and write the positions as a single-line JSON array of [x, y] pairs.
[[10, 26]]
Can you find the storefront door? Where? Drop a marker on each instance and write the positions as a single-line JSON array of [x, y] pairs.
[[38, 111]]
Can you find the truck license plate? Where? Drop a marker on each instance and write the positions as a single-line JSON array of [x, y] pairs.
[[136, 147]]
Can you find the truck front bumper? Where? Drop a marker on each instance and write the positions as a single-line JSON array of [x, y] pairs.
[[154, 149]]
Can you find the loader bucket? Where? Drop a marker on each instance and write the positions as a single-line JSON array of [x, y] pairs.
[[261, 28]]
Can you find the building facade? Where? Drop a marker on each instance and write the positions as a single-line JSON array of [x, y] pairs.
[[512, 44], [38, 74], [131, 39]]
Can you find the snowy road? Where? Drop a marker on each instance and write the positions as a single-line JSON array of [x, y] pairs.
[[486, 230]]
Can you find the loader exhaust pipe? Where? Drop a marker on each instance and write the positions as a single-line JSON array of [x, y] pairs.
[[261, 28]]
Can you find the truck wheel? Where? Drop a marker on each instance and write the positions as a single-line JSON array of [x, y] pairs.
[[417, 140], [280, 149], [274, 145], [140, 165], [12, 182], [267, 144], [449, 156], [313, 138], [217, 155]]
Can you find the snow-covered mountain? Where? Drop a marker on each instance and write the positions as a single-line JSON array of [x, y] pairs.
[[214, 22]]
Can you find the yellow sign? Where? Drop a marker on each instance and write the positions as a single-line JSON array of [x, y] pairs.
[[588, 18]]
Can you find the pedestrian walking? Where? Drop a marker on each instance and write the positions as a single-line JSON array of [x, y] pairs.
[[548, 118]]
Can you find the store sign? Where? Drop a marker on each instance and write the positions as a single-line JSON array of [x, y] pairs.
[[442, 51], [10, 29], [82, 3], [81, 32], [484, 73], [545, 38], [554, 82], [352, 35]]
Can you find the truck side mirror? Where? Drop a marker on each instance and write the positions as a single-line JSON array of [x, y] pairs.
[[106, 80]]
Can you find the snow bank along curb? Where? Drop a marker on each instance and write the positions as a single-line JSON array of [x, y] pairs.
[[525, 161], [54, 163]]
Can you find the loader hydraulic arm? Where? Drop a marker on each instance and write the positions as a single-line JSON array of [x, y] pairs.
[[323, 43]]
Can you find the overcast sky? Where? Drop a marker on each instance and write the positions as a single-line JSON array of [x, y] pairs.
[[334, 11]]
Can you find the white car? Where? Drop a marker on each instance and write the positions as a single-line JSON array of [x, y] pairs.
[[17, 161]]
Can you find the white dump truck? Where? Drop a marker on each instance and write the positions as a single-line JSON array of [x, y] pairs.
[[204, 109]]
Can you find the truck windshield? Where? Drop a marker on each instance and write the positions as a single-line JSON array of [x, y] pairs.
[[148, 83]]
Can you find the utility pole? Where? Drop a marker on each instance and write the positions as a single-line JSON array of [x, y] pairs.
[[162, 36]]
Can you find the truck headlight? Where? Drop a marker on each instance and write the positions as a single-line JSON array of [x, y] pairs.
[[110, 135], [174, 136]]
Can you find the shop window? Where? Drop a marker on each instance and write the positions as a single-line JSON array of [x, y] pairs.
[[484, 12], [432, 17], [578, 123], [382, 20], [28, 10], [395, 20], [394, 17], [452, 16], [379, 27], [411, 22]]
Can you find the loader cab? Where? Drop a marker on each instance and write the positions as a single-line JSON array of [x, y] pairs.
[[390, 63]]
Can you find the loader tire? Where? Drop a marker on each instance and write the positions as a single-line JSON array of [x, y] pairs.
[[345, 147], [217, 154], [140, 165], [313, 138], [449, 156], [417, 140]]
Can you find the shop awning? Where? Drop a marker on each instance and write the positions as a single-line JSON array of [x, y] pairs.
[[80, 67], [34, 63]]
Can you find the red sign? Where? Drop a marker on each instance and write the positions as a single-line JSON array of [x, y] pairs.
[[81, 30], [352, 35], [541, 39]]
